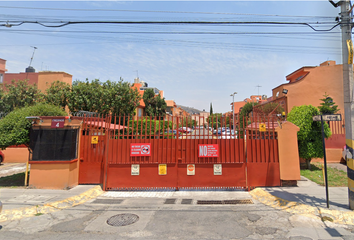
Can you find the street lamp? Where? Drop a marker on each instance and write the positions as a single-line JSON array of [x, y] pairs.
[[233, 110]]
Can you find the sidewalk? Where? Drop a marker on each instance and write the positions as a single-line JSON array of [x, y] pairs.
[[310, 193]]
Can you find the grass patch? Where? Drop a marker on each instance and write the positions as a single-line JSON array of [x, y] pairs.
[[336, 178], [16, 180], [39, 214]]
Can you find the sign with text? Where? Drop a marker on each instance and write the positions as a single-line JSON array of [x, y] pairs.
[[135, 169], [262, 127], [208, 150], [140, 149], [57, 123], [328, 117], [217, 169], [190, 169], [94, 139], [162, 169]]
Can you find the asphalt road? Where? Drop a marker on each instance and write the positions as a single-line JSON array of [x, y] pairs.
[[159, 218]]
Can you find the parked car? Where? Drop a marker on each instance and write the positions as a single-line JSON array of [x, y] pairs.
[[185, 129], [2, 157]]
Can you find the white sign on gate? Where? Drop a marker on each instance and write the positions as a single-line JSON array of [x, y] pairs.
[[217, 169], [190, 169], [135, 169]]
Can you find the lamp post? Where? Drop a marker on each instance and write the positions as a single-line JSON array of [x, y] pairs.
[[233, 110]]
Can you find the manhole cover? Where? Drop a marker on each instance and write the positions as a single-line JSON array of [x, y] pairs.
[[170, 201], [186, 201], [122, 219]]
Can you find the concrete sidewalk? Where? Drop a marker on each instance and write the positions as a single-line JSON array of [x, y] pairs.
[[310, 193]]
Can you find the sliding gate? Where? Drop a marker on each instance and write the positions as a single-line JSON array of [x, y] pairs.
[[125, 154]]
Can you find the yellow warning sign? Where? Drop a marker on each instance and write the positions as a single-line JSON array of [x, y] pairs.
[[350, 51], [262, 127], [162, 169], [94, 140]]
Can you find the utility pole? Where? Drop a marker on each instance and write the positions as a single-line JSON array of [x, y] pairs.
[[347, 61]]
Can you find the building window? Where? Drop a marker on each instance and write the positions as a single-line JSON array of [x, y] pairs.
[[1, 77], [140, 112]]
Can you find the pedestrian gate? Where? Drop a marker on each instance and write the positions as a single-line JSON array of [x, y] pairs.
[[126, 154]]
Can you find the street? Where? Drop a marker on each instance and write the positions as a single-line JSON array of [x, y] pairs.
[[173, 215]]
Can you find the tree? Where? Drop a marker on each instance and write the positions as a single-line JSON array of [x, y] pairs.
[[154, 105], [327, 105], [211, 109], [116, 98], [269, 108], [310, 135], [14, 127], [245, 113], [57, 94], [20, 94]]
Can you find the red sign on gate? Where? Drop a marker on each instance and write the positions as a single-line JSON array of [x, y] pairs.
[[140, 149], [57, 123], [208, 150]]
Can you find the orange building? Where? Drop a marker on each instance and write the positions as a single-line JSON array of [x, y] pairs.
[[254, 98], [141, 86], [307, 85], [43, 80]]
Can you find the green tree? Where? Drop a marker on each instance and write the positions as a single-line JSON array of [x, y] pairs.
[[327, 105], [14, 127], [310, 135], [86, 96], [20, 94], [57, 94], [116, 98], [211, 109], [244, 114], [120, 99], [155, 106]]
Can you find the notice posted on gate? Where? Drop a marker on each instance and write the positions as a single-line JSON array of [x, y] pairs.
[[208, 150], [140, 149]]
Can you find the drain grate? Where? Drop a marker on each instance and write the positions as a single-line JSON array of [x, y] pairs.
[[170, 201], [108, 201], [186, 201], [243, 201], [209, 202], [122, 219]]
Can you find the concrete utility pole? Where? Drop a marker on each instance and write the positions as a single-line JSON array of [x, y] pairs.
[[347, 60]]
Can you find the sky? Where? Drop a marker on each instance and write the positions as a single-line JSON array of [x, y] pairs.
[[194, 64]]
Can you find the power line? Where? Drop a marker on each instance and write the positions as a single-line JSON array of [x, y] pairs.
[[212, 23], [147, 11]]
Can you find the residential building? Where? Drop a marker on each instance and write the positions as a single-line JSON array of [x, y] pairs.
[[252, 99], [307, 86], [42, 79], [141, 86]]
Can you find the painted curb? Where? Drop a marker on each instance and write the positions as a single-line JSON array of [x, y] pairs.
[[268, 199], [14, 214]]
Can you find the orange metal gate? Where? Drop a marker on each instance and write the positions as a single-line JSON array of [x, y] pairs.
[[174, 161]]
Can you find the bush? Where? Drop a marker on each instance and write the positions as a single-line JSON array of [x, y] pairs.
[[14, 128], [310, 135]]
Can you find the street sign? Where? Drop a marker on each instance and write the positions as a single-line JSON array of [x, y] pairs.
[[328, 117]]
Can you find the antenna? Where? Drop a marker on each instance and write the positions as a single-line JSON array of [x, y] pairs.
[[137, 73], [34, 49], [258, 88]]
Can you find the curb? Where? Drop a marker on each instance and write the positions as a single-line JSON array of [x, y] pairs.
[[14, 214], [319, 213]]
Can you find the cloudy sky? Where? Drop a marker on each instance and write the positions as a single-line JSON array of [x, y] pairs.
[[194, 64]]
